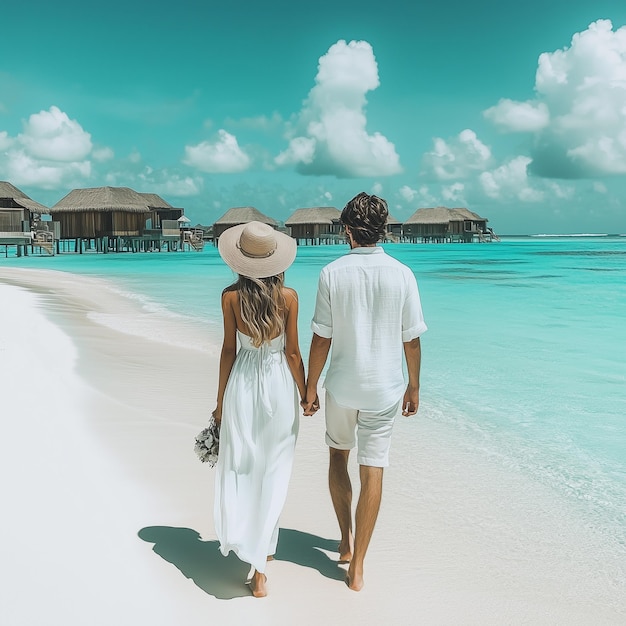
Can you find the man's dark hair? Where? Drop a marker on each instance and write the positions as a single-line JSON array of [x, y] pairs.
[[367, 218]]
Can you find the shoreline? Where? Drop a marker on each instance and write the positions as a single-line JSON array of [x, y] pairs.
[[147, 399]]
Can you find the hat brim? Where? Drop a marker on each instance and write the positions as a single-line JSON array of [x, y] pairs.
[[282, 257]]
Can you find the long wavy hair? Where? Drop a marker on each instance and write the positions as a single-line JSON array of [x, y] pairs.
[[262, 306]]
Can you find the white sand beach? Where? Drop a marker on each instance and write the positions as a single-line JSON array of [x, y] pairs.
[[107, 513]]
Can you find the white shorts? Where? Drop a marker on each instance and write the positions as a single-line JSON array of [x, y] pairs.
[[371, 429]]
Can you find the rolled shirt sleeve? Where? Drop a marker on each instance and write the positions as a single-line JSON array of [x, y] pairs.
[[413, 324], [367, 302], [322, 323]]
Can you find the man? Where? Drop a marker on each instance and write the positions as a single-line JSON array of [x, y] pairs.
[[368, 307]]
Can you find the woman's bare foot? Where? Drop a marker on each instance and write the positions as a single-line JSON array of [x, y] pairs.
[[354, 579], [257, 584], [270, 557]]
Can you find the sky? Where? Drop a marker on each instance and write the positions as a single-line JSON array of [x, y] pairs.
[[516, 111]]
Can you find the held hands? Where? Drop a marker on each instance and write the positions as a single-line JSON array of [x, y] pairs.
[[411, 401], [310, 403]]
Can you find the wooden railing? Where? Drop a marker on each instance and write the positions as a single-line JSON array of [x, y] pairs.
[[45, 240], [194, 238]]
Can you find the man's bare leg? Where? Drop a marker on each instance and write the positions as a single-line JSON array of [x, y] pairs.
[[366, 515], [341, 495]]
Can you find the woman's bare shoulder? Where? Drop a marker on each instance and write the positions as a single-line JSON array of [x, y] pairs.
[[291, 295], [229, 296]]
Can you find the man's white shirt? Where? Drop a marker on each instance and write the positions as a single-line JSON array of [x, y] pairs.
[[369, 304]]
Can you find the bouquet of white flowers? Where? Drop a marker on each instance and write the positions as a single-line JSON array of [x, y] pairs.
[[208, 443]]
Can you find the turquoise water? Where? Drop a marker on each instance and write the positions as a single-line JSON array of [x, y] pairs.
[[525, 356]]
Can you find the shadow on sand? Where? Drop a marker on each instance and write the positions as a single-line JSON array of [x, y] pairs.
[[223, 577]]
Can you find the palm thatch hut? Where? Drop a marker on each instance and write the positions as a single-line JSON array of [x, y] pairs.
[[160, 210], [101, 212], [17, 210], [394, 229], [19, 217], [441, 224], [240, 215], [316, 225]]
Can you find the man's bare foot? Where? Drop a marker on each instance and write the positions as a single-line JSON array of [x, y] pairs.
[[354, 580], [257, 585], [345, 551]]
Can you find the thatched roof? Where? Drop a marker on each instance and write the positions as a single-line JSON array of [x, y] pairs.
[[392, 220], [102, 199], [7, 190], [155, 201], [314, 215], [244, 214], [10, 192], [442, 215]]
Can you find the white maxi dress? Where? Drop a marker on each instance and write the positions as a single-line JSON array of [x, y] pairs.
[[257, 442]]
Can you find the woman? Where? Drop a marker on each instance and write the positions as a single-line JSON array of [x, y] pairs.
[[257, 396]]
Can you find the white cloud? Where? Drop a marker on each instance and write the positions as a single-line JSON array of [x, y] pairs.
[[25, 170], [559, 190], [223, 156], [600, 187], [458, 157], [329, 134], [510, 181], [161, 181], [177, 186], [602, 154], [103, 154], [52, 151], [581, 97], [407, 194], [421, 197], [5, 140], [519, 116], [54, 136], [300, 150], [377, 189], [453, 193]]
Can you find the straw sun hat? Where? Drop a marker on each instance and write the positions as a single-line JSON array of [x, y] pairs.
[[256, 250]]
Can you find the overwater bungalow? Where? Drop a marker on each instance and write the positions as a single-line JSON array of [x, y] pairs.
[[20, 221], [316, 225], [160, 210], [116, 219], [394, 229], [240, 215], [167, 223], [441, 224]]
